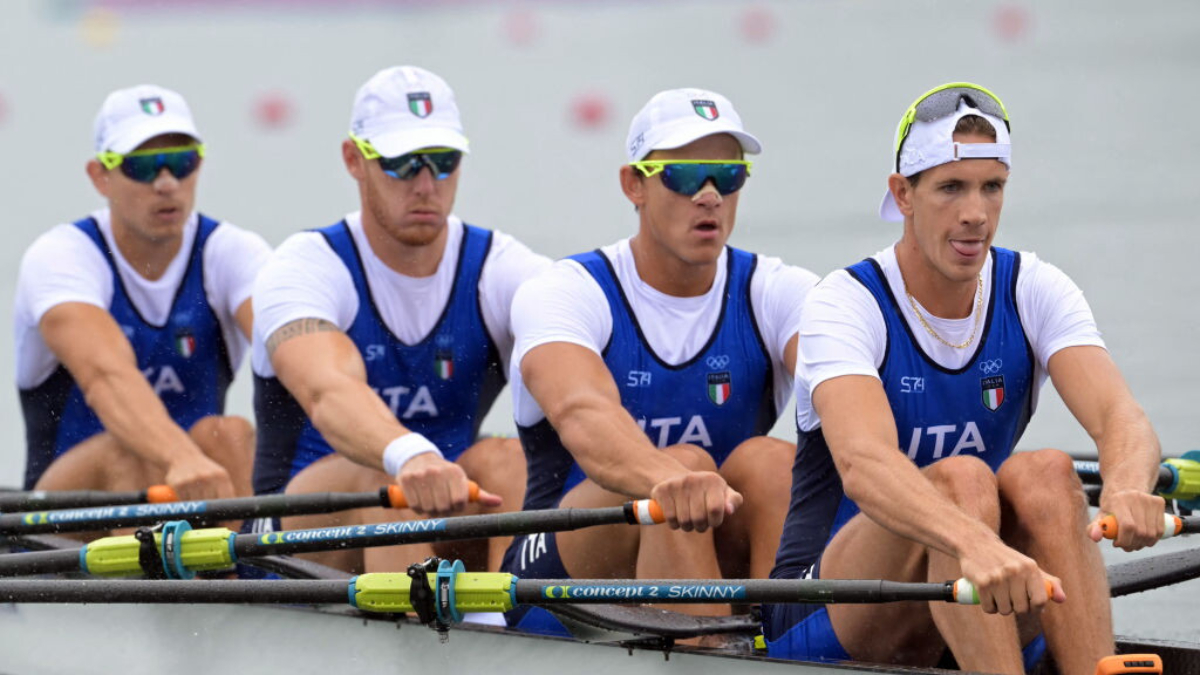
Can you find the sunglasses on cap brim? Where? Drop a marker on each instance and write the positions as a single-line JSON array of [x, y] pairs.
[[441, 161], [144, 166], [688, 176], [943, 101]]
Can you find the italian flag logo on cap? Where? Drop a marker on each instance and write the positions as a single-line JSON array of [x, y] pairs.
[[993, 392], [720, 387], [152, 106], [443, 364], [185, 344], [420, 104], [706, 109]]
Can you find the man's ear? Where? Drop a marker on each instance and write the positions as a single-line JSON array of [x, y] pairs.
[[633, 185], [98, 175], [353, 159], [902, 192]]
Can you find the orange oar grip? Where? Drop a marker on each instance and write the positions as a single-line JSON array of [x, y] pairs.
[[648, 512], [1108, 526], [161, 494], [1172, 526], [1125, 664], [398, 501], [1049, 589]]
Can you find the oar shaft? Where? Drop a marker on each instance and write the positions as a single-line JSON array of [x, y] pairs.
[[199, 513], [440, 529], [173, 592], [675, 591], [1089, 473], [1173, 526], [74, 499], [39, 562]]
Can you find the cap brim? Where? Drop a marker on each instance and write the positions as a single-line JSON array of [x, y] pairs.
[[129, 139], [888, 210], [403, 142], [750, 144]]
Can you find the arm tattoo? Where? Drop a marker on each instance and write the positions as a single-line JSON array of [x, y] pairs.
[[296, 328]]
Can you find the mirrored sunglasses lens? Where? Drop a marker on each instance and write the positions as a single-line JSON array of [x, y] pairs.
[[688, 179], [945, 103], [406, 167], [145, 168]]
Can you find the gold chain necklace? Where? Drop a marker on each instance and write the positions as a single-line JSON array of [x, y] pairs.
[[978, 315]]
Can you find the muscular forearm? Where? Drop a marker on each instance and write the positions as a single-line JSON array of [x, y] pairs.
[[137, 418], [354, 421], [1129, 450], [893, 492], [612, 450]]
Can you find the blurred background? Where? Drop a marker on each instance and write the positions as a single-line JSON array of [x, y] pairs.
[[1102, 98]]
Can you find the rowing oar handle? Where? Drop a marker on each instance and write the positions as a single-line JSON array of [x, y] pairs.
[[160, 494], [394, 495], [1172, 526], [965, 592]]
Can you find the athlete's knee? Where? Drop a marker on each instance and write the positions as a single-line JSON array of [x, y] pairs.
[[969, 483], [496, 457], [1040, 483], [693, 457], [759, 462], [229, 438]]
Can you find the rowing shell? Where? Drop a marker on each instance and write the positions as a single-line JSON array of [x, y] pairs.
[[202, 639]]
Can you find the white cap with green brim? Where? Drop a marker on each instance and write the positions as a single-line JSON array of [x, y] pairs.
[[930, 144]]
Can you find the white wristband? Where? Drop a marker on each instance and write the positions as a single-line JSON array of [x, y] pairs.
[[398, 452]]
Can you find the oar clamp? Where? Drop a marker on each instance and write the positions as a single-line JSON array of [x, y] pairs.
[[148, 555], [423, 599]]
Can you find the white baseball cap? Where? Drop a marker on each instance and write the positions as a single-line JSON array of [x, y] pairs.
[[405, 108], [676, 117], [130, 117], [931, 143]]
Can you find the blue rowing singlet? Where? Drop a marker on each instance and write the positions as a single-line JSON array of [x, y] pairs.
[[442, 387], [980, 409], [185, 360], [721, 397]]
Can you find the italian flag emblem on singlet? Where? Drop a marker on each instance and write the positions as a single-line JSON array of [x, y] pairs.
[[993, 391], [185, 344], [706, 109], [420, 104], [443, 364], [720, 387]]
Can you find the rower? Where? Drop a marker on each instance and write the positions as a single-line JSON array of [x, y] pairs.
[[937, 347], [130, 322], [382, 339], [654, 367]]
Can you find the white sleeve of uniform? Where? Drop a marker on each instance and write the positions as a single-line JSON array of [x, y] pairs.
[[1053, 311], [509, 264], [564, 304], [302, 279], [233, 256], [62, 265], [842, 332], [778, 292]]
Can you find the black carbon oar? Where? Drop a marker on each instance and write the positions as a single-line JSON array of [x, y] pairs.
[[476, 592], [1178, 478], [199, 513], [72, 499], [179, 552]]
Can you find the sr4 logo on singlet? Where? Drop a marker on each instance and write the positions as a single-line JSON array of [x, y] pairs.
[[664, 431]]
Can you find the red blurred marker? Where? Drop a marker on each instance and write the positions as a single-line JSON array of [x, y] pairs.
[[591, 111], [520, 27], [1011, 22], [758, 24], [273, 110]]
